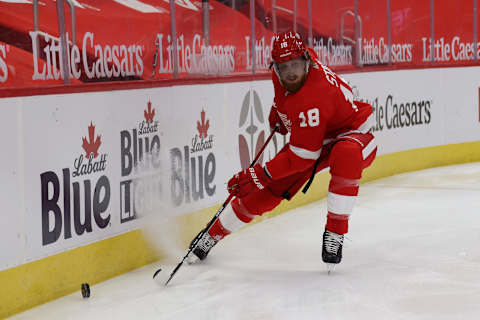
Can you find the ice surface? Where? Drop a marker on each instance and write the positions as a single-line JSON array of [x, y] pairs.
[[413, 252]]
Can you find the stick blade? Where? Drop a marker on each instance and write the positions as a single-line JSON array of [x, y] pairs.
[[156, 273]]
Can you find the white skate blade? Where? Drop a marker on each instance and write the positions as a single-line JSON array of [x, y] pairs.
[[330, 268], [192, 258]]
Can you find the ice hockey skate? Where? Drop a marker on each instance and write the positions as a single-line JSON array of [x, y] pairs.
[[202, 247], [332, 249]]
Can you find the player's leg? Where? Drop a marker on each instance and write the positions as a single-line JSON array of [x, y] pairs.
[[241, 211], [237, 214], [347, 160]]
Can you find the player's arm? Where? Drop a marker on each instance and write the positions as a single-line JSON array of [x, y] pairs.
[[303, 150], [305, 146]]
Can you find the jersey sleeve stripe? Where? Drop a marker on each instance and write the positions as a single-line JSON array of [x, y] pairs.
[[306, 154], [369, 148]]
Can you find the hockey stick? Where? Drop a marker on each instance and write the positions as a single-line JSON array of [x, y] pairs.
[[215, 217]]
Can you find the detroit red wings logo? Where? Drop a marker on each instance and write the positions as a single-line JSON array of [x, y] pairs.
[[92, 144]]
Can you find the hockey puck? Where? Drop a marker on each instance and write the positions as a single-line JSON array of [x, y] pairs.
[[85, 290], [156, 272]]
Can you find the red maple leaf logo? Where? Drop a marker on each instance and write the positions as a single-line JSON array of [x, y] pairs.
[[149, 113], [203, 127], [89, 145]]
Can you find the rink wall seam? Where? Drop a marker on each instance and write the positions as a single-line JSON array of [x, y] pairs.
[[38, 282]]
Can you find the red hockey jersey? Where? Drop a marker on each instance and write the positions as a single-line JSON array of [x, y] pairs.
[[321, 111]]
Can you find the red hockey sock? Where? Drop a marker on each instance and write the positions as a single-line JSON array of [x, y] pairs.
[[217, 231], [239, 215], [337, 223]]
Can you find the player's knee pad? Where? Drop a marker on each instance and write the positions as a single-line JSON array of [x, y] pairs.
[[345, 168], [257, 203], [346, 160]]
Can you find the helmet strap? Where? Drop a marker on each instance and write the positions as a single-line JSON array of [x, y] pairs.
[[275, 68], [307, 65]]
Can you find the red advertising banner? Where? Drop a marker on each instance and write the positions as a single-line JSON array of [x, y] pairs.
[[120, 40]]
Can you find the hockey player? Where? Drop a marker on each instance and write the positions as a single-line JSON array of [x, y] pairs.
[[327, 129]]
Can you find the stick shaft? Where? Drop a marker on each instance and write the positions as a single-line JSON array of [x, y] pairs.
[[215, 217]]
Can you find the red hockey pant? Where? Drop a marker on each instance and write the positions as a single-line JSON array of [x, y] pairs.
[[346, 156]]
